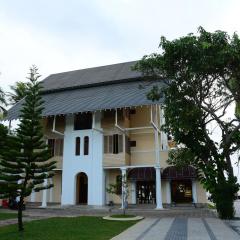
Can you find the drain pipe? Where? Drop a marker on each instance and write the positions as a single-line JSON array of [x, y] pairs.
[[54, 127], [116, 123], [151, 121]]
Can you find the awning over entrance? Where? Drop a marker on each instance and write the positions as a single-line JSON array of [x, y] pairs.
[[182, 173], [142, 174]]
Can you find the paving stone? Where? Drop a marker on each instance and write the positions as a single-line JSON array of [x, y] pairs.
[[136, 230], [220, 230], [178, 230], [159, 230], [197, 230]]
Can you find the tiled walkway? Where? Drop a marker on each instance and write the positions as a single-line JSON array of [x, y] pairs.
[[179, 228]]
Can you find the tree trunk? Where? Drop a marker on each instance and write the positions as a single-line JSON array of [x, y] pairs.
[[20, 208]]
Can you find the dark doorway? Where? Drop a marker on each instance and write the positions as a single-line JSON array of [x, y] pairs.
[[181, 191], [82, 188], [146, 192]]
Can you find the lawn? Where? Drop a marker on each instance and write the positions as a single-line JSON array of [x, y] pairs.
[[5, 215], [66, 229]]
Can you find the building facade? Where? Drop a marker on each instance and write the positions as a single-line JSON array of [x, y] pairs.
[[101, 128]]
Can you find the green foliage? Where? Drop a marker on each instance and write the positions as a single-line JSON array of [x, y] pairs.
[[3, 101], [19, 91], [24, 162], [202, 82]]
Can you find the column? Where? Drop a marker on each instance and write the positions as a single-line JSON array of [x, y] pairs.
[[194, 191], [51, 191], [44, 195], [158, 189], [33, 196], [124, 177], [168, 192], [133, 191]]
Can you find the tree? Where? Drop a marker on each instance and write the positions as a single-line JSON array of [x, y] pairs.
[[19, 91], [3, 102], [201, 75], [120, 188], [24, 165]]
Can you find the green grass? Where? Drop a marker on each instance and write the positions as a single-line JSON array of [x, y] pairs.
[[66, 229], [5, 215], [122, 216]]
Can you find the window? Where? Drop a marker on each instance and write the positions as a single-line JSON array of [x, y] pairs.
[[86, 145], [51, 146], [133, 143], [132, 111], [113, 144], [83, 121], [77, 146]]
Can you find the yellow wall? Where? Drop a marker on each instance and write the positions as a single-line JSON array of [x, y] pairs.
[[57, 189], [201, 193], [141, 118]]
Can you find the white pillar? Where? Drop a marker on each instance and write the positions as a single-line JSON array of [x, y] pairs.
[[44, 195], [51, 191], [158, 189], [124, 178], [104, 192], [33, 196], [168, 191], [133, 190], [194, 191]]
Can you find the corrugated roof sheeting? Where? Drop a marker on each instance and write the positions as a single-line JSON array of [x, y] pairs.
[[111, 96]]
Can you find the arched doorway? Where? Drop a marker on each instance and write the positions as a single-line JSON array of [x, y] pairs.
[[82, 188]]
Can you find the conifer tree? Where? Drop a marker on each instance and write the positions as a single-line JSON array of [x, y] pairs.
[[24, 165]]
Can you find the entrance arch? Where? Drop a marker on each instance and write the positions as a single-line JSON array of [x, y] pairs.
[[82, 188], [180, 183]]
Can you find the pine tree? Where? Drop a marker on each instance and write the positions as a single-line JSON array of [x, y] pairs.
[[24, 164]]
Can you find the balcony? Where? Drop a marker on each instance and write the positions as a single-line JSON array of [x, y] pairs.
[[56, 148]]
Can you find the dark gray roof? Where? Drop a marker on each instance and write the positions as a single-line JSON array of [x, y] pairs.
[[118, 95], [91, 76]]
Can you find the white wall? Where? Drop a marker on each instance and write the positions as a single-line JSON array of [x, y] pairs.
[[90, 164]]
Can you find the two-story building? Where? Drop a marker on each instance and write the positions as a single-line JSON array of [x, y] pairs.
[[100, 126]]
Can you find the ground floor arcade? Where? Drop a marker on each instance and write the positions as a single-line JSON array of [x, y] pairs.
[[145, 186]]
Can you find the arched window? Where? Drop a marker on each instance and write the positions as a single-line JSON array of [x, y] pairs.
[[86, 145], [77, 146]]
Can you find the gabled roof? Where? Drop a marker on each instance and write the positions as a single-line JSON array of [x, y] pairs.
[[91, 76], [107, 87]]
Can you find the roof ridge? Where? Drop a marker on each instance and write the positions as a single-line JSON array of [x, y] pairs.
[[88, 68]]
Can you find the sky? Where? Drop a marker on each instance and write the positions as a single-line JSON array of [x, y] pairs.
[[60, 35]]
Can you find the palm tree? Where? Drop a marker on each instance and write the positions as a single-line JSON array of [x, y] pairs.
[[19, 91]]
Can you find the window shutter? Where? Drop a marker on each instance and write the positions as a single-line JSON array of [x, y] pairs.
[[120, 143]]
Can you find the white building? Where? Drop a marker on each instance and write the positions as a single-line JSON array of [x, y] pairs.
[[101, 126]]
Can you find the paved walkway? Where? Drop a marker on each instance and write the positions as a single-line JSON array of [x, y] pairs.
[[179, 228]]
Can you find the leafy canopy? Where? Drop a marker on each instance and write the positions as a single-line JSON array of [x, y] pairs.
[[202, 84]]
